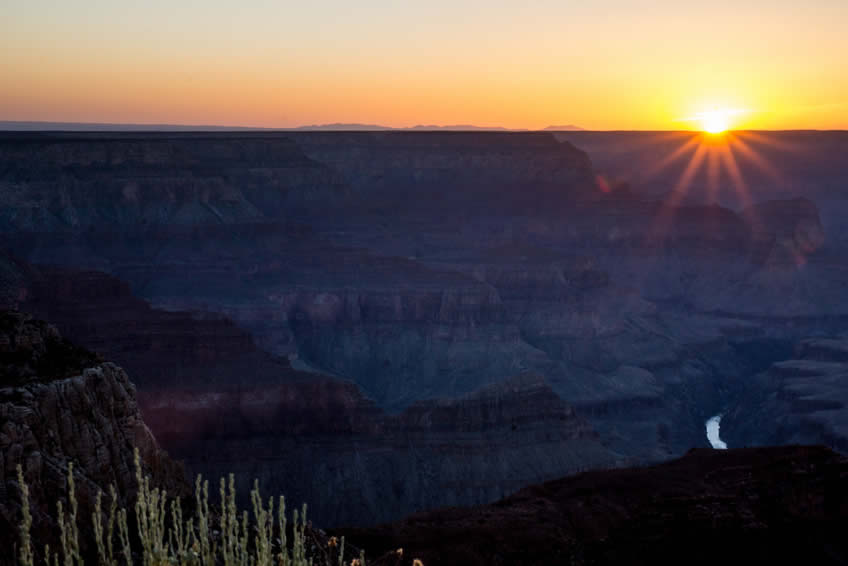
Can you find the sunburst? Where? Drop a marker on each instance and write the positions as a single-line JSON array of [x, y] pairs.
[[720, 154]]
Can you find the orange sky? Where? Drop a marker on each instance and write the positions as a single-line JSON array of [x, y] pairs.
[[522, 64]]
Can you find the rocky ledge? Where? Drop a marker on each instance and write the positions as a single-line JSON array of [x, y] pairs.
[[60, 404]]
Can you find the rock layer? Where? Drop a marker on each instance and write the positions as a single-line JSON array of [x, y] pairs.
[[323, 443]]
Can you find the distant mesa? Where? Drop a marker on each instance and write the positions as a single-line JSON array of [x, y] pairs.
[[341, 127], [463, 128], [566, 128]]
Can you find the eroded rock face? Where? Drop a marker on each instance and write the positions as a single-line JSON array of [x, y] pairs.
[[65, 183], [215, 400], [323, 443], [73, 182], [450, 173], [84, 412]]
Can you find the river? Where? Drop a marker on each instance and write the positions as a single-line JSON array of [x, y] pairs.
[[713, 428]]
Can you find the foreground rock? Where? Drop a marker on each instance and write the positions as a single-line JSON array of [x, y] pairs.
[[759, 506], [59, 405]]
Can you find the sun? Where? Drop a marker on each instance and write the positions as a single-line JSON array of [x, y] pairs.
[[717, 120], [714, 122]]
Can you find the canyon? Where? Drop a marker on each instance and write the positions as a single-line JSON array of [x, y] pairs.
[[378, 323]]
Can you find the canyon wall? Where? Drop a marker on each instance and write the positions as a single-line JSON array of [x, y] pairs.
[[376, 273]]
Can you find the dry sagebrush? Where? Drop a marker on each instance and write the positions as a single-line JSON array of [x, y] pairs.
[[166, 537]]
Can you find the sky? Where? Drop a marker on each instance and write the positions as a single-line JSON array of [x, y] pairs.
[[617, 64]]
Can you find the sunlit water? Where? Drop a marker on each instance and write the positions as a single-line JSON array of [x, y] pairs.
[[713, 426]]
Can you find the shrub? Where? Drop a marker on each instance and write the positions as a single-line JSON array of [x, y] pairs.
[[163, 536]]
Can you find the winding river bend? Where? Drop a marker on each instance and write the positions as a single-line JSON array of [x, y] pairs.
[[713, 428]]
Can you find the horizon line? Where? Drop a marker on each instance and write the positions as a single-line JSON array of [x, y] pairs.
[[140, 127]]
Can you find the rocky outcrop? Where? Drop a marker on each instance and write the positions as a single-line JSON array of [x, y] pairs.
[[60, 405], [776, 505]]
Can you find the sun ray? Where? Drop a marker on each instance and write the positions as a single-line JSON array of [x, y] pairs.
[[764, 139], [736, 175], [713, 169], [671, 158], [707, 155], [755, 158], [692, 168], [667, 209]]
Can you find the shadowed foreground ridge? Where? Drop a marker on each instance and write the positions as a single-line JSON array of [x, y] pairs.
[[758, 506]]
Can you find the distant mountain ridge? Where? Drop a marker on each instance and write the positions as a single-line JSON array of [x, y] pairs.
[[565, 128], [32, 126]]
